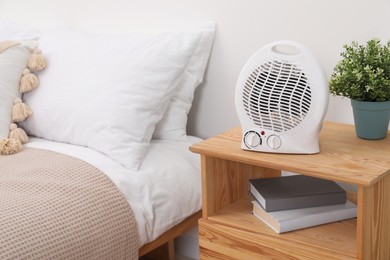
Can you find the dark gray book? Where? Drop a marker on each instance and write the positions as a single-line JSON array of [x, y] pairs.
[[296, 191]]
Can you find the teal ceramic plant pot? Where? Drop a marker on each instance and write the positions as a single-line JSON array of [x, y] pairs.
[[371, 119]]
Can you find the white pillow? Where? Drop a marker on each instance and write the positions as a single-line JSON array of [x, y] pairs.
[[174, 122], [10, 30], [107, 92]]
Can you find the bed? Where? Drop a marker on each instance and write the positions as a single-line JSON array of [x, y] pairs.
[[94, 151]]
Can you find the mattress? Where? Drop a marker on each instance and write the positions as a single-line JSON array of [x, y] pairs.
[[163, 192]]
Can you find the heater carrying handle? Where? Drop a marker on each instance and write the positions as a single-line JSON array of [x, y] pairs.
[[287, 48]]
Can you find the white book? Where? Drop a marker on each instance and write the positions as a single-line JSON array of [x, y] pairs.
[[293, 219]]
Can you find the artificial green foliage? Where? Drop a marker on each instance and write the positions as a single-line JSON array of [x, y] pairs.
[[363, 73]]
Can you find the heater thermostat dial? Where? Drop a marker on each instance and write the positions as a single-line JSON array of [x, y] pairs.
[[252, 139]]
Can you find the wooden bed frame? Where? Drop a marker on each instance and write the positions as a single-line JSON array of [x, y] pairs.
[[163, 246]]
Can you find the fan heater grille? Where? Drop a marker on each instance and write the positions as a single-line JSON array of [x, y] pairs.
[[277, 96]]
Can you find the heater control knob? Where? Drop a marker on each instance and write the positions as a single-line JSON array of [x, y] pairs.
[[252, 139], [274, 142]]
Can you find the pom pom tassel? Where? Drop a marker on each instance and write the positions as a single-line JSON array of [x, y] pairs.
[[20, 111], [37, 61], [28, 81], [10, 146], [18, 134]]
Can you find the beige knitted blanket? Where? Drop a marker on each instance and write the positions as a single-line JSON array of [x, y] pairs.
[[54, 206]]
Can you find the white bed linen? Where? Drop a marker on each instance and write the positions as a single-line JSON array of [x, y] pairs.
[[163, 192]]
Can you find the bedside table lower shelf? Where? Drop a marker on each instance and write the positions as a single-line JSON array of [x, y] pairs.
[[234, 233]]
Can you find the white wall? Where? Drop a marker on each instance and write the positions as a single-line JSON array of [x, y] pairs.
[[242, 28]]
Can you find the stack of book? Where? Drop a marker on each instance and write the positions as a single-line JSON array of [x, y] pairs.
[[298, 201]]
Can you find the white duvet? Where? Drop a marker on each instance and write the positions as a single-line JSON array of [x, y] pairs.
[[163, 192]]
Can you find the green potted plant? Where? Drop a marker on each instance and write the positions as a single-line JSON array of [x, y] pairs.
[[363, 75]]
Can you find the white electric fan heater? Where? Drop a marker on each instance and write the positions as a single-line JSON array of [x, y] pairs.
[[281, 100]]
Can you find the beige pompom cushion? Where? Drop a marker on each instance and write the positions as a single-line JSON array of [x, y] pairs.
[[18, 62]]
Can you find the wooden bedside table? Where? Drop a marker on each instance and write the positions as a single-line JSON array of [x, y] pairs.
[[228, 230]]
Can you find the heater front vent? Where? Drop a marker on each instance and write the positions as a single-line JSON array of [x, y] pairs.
[[277, 96]]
